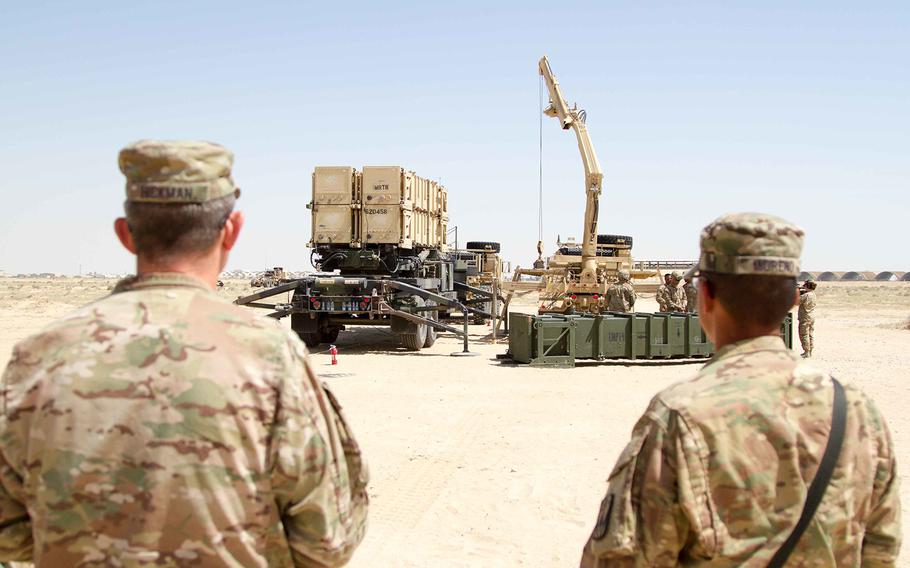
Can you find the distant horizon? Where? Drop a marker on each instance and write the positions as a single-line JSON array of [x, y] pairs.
[[92, 273]]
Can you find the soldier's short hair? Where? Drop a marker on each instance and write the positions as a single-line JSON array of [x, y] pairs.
[[760, 300], [166, 230]]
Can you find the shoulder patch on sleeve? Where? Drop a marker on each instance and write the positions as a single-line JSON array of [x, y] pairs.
[[603, 518]]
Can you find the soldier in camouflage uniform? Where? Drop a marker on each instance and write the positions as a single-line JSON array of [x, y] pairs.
[[163, 426], [718, 468], [677, 293], [691, 293], [663, 294], [806, 316], [670, 298], [621, 295]]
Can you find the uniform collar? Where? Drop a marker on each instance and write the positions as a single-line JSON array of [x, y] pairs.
[[159, 280], [752, 345]]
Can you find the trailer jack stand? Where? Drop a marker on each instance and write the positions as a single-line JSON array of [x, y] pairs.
[[464, 352]]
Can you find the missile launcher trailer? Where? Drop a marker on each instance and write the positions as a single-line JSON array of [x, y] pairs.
[[379, 247]]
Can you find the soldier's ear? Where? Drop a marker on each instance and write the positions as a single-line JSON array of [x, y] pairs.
[[122, 229], [231, 230]]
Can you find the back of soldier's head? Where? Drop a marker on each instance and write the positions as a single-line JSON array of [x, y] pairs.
[[179, 195], [750, 262]]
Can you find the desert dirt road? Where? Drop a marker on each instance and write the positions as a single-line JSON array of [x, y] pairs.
[[475, 463]]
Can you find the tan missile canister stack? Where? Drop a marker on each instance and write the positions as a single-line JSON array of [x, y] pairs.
[[383, 205], [336, 197]]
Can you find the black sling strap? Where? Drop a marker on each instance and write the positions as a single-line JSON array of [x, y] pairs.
[[822, 476]]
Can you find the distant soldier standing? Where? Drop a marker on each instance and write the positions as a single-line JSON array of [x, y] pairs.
[[727, 469], [691, 293], [669, 297], [677, 301], [806, 316], [163, 426], [621, 295], [663, 295]]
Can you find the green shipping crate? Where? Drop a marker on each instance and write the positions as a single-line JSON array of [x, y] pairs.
[[555, 340]]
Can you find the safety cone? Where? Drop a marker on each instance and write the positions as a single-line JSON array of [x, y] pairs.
[[334, 351]]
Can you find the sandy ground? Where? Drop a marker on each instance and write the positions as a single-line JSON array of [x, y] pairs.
[[475, 463]]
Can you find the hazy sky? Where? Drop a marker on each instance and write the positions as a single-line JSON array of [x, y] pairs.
[[696, 109]]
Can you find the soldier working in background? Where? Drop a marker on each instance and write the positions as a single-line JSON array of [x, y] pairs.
[[621, 295], [806, 316], [727, 469], [691, 293], [670, 298], [663, 292], [163, 426]]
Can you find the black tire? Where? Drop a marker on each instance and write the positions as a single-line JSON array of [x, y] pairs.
[[614, 240], [413, 341], [329, 335], [415, 334], [482, 245], [431, 331], [311, 339]]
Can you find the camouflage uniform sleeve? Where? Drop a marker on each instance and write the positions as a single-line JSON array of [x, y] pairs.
[[632, 296], [15, 524], [882, 540], [659, 297], [318, 474], [654, 508]]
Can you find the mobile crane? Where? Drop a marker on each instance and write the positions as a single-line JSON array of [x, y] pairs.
[[584, 289]]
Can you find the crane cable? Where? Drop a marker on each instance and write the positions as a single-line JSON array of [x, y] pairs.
[[540, 159]]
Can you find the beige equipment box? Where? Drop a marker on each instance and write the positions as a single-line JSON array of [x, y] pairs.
[[383, 205], [336, 191]]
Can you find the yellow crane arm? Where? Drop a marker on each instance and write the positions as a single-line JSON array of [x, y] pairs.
[[574, 118]]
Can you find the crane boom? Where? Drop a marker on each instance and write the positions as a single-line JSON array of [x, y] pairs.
[[575, 119]]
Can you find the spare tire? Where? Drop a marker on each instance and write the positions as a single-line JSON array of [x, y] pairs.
[[614, 240], [482, 245]]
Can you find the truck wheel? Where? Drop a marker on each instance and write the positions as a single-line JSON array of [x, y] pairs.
[[482, 245], [614, 240], [431, 331], [311, 339], [414, 340], [414, 335], [329, 335]]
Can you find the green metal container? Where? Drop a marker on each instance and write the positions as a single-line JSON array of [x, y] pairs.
[[555, 340]]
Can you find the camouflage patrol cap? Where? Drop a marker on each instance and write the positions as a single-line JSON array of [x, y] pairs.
[[675, 275], [750, 243], [177, 171]]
